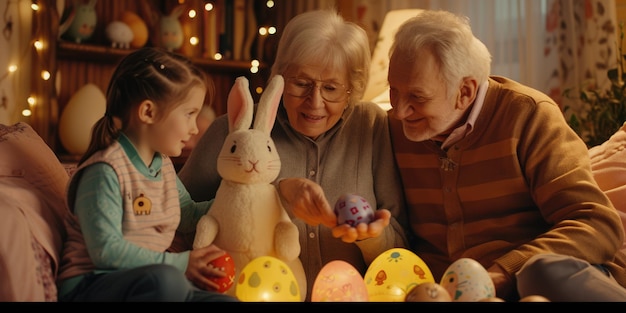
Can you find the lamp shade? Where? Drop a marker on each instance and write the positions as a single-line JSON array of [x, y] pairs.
[[82, 111], [377, 89]]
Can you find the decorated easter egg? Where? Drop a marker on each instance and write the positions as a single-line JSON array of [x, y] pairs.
[[267, 279], [428, 292], [467, 280], [138, 27], [393, 274], [338, 281], [353, 209], [226, 264], [82, 111], [534, 298]]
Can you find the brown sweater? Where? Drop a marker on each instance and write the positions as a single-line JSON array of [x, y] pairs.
[[518, 185]]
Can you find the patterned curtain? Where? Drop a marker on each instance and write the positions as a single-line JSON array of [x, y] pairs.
[[582, 36]]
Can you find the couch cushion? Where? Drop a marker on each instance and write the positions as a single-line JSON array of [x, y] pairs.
[[32, 206], [608, 162]]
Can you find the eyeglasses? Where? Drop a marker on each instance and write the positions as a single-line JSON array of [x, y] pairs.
[[302, 87]]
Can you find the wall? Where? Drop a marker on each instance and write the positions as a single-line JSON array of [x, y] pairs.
[[620, 7]]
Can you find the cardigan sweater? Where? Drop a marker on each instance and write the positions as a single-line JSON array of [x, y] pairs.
[[519, 184], [354, 156]]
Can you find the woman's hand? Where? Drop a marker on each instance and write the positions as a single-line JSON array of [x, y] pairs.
[[198, 269], [362, 231], [306, 200]]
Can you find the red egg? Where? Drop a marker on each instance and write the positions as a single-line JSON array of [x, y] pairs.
[[353, 209], [226, 264]]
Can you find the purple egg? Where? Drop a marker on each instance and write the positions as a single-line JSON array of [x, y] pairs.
[[353, 209]]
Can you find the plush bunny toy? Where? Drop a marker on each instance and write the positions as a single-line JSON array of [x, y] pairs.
[[247, 218]]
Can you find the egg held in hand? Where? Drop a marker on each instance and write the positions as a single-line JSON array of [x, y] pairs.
[[353, 209], [226, 264]]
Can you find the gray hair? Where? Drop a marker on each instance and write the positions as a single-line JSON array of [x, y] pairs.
[[325, 38], [459, 53]]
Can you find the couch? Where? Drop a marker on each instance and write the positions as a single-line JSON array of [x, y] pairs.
[[32, 206]]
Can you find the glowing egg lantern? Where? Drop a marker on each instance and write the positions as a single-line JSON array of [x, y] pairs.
[[392, 275], [338, 281], [468, 281], [82, 111], [267, 279]]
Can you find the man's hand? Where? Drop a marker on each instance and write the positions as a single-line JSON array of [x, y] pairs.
[[505, 286]]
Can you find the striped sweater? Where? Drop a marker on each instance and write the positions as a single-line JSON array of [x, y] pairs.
[[519, 184]]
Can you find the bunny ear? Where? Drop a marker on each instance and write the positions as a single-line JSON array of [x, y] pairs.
[[268, 104], [240, 105]]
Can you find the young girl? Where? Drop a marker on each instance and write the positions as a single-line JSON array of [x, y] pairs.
[[125, 198]]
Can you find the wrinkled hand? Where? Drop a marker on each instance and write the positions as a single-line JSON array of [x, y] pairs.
[[198, 268], [505, 286], [362, 231], [306, 200]]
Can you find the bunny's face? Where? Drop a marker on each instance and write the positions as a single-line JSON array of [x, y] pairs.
[[249, 157]]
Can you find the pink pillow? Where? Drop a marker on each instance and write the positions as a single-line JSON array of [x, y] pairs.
[[608, 162], [32, 207]]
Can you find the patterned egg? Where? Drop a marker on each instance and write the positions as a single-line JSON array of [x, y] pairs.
[[226, 264], [338, 281], [393, 273], [428, 292], [267, 279], [353, 209], [467, 280]]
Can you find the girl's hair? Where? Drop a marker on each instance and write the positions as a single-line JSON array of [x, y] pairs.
[[149, 73], [450, 38], [325, 38]]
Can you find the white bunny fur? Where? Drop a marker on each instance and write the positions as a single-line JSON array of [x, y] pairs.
[[247, 218]]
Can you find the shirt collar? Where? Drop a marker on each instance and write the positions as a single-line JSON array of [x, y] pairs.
[[133, 155], [465, 129]]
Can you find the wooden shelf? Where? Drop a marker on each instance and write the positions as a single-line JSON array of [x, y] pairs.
[[91, 53], [93, 61]]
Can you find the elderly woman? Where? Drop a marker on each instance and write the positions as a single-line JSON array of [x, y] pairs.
[[325, 135]]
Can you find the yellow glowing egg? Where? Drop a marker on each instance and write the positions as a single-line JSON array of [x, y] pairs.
[[338, 281], [267, 279], [394, 273], [468, 281]]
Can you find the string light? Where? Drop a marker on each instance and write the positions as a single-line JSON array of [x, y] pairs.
[[39, 45]]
